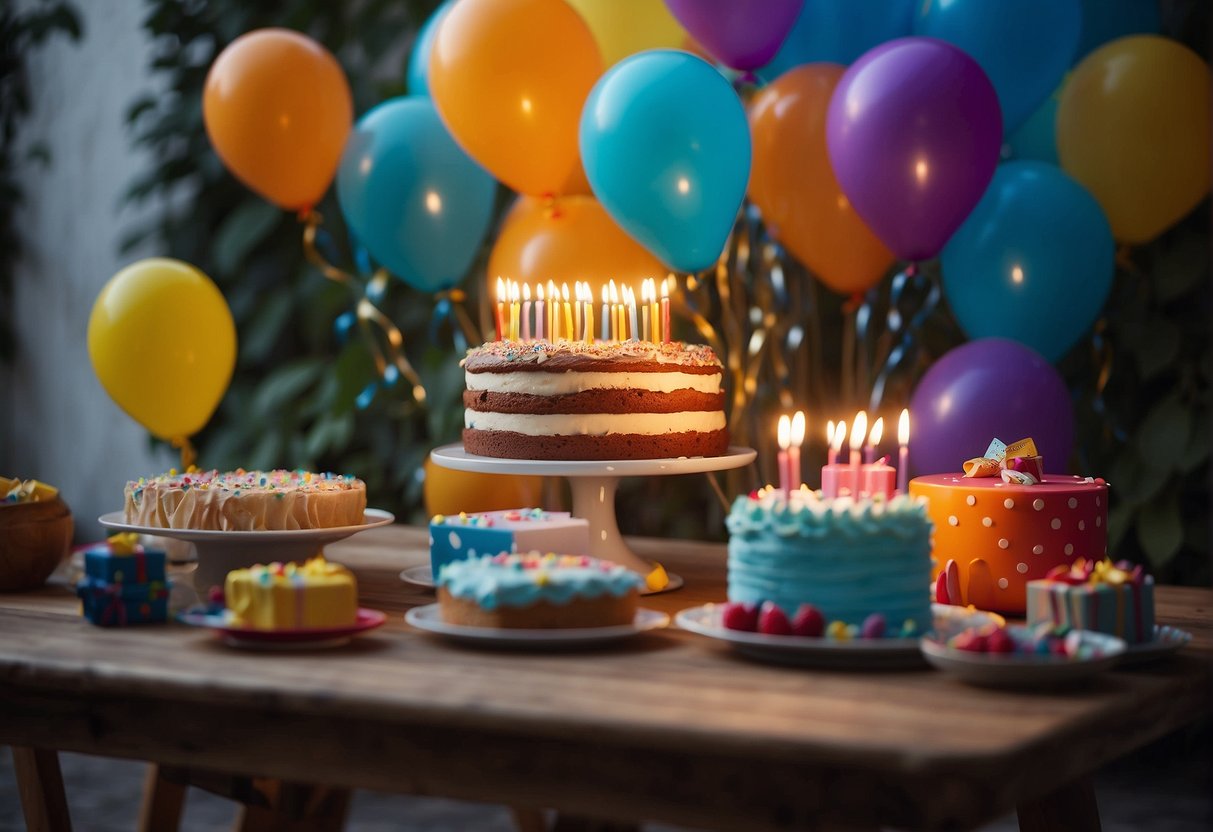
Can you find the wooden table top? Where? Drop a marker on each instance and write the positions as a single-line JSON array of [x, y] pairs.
[[667, 726]]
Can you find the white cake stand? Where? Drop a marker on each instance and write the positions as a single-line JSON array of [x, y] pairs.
[[219, 552], [594, 483]]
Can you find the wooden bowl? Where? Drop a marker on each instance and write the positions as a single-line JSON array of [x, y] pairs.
[[34, 539]]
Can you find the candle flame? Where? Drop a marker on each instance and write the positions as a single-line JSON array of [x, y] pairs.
[[876, 433], [646, 290], [605, 297], [830, 434], [564, 292], [526, 291], [539, 290], [514, 293], [903, 428], [859, 430], [798, 428], [840, 433], [665, 287], [785, 428], [500, 290], [614, 292], [629, 296]]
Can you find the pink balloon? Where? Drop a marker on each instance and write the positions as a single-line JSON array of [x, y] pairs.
[[914, 132], [738, 33]]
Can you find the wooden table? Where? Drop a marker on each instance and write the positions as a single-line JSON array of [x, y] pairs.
[[669, 726]]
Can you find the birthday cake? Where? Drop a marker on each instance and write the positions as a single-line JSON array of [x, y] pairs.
[[537, 591], [600, 400], [1117, 599], [1004, 522], [464, 535], [314, 595], [855, 561], [246, 500]]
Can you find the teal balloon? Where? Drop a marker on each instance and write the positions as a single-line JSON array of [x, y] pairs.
[[1024, 46], [666, 148], [1034, 261], [1036, 138], [1105, 20], [413, 198], [417, 78], [839, 31]]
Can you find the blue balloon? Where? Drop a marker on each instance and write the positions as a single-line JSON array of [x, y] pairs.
[[1105, 20], [1033, 262], [666, 148], [417, 202], [1036, 138], [417, 78], [839, 31], [1024, 46]]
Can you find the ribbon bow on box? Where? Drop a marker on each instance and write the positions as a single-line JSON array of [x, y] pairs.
[[1017, 464]]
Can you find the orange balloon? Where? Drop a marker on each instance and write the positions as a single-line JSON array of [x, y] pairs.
[[277, 109], [509, 78], [448, 491], [565, 240], [794, 186]]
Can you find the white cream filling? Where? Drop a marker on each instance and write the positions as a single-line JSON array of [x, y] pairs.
[[556, 384], [596, 424]]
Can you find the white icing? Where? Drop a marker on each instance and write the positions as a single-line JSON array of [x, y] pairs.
[[596, 424], [558, 384]]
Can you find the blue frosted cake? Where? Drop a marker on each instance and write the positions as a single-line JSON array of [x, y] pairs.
[[851, 559]]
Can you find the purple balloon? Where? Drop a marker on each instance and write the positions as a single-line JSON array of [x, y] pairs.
[[735, 32], [914, 131], [984, 389]]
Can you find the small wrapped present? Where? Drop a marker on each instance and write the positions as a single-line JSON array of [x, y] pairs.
[[123, 583], [455, 537]]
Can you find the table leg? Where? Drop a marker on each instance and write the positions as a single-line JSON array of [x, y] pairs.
[[163, 802], [1071, 808], [40, 784]]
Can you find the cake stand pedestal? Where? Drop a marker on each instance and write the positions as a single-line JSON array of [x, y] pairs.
[[594, 483], [219, 552]]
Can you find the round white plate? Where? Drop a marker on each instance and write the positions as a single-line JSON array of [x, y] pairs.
[[1167, 640], [309, 639], [454, 456], [1023, 670], [429, 618], [866, 653], [423, 575]]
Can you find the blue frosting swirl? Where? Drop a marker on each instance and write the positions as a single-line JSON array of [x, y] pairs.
[[493, 581]]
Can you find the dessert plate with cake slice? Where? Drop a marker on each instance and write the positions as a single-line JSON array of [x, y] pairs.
[[236, 634], [429, 619]]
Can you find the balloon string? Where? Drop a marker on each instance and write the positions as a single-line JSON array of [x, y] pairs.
[[188, 455], [365, 309], [458, 299]]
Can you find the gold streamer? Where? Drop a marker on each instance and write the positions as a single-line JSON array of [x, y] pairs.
[[457, 299], [366, 311]]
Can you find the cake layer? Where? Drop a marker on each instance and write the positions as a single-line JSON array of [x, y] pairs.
[[849, 559], [521, 580], [570, 381], [604, 611], [314, 595], [514, 445], [603, 425], [600, 356], [1002, 536], [246, 501], [595, 401], [1125, 611]]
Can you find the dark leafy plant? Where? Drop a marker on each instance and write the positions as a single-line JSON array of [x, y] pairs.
[[21, 32]]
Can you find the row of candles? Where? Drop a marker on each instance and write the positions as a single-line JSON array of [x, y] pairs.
[[863, 474], [559, 315]]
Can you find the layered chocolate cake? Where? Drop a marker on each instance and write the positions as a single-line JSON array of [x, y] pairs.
[[603, 400]]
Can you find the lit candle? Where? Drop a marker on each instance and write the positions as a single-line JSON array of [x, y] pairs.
[[515, 310], [553, 311], [577, 333], [526, 311], [835, 477], [878, 478], [798, 431], [903, 450], [606, 314], [784, 437], [539, 316], [831, 453], [568, 312], [634, 331], [874, 436], [654, 310], [587, 299], [500, 318], [645, 333], [614, 311], [859, 432], [665, 310]]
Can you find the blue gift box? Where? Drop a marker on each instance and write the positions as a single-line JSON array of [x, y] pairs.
[[456, 537], [140, 566], [109, 604]]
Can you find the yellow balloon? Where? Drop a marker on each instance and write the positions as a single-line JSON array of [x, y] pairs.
[[163, 344], [448, 491], [623, 29], [1133, 128]]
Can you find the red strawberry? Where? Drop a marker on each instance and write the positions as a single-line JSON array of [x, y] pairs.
[[739, 616], [1000, 641], [971, 640], [773, 621], [808, 621]]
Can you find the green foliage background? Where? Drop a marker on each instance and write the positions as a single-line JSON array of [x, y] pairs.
[[292, 401]]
